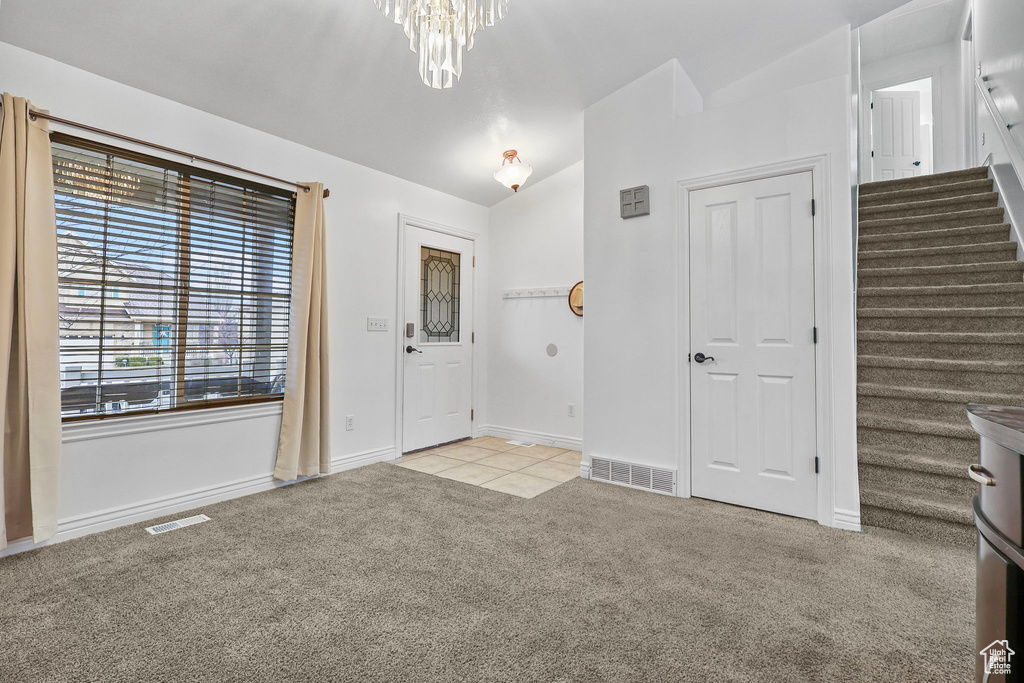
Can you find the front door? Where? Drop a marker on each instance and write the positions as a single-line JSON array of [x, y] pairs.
[[437, 339], [896, 136], [752, 376]]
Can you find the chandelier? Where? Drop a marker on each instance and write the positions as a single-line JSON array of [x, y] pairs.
[[439, 31]]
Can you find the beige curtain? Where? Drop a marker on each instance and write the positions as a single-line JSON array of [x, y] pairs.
[[305, 446], [29, 375]]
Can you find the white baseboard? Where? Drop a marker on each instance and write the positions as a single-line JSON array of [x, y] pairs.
[[539, 438], [846, 519], [94, 522]]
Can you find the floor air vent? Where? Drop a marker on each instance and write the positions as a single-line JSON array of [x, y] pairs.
[[634, 476], [177, 524]]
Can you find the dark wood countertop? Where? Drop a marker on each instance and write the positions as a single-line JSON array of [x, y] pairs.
[[1002, 424]]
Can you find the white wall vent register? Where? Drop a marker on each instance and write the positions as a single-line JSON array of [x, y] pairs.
[[177, 524], [634, 476]]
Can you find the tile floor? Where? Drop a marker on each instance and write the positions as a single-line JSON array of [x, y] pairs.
[[494, 464]]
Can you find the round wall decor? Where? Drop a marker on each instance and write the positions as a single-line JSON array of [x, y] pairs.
[[576, 299]]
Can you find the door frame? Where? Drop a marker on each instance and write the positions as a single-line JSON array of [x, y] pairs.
[[819, 167], [406, 221]]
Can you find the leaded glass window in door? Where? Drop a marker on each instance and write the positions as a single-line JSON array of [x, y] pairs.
[[439, 295]]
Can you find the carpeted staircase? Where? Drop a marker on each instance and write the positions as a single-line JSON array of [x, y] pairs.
[[940, 310]]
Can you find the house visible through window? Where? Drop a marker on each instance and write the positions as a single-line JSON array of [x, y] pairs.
[[174, 283]]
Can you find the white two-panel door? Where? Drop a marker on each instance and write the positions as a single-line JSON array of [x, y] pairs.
[[896, 135], [437, 339], [752, 370]]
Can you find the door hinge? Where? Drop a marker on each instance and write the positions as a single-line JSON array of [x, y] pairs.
[[872, 105], [472, 338], [471, 417], [872, 154], [817, 465], [815, 332], [474, 261], [814, 207], [687, 358]]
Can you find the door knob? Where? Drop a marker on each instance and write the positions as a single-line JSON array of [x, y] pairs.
[[917, 163], [700, 357], [412, 349]]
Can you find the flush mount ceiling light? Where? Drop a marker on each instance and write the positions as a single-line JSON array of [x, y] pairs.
[[439, 30], [513, 172]]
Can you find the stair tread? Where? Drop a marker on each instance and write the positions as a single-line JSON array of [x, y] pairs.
[[941, 204], [996, 213], [910, 460], [946, 337], [938, 394], [932, 290], [915, 425], [981, 312], [947, 269], [978, 172], [993, 366], [934, 234], [931, 251], [966, 187], [939, 506]]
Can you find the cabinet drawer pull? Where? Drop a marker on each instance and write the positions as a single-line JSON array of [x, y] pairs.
[[981, 475]]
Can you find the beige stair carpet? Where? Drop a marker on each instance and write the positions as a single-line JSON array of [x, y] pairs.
[[940, 308]]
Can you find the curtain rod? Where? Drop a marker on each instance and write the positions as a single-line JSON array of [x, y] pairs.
[[194, 157]]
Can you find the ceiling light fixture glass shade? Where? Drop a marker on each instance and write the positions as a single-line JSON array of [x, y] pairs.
[[440, 30], [513, 172]]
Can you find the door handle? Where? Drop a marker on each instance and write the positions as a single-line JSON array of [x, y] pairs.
[[917, 163], [412, 349], [981, 475], [700, 357]]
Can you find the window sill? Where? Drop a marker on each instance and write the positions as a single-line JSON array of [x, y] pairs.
[[122, 426]]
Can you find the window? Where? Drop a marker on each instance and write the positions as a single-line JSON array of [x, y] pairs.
[[439, 295], [174, 284]]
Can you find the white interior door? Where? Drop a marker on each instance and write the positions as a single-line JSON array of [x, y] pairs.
[[896, 136], [752, 377], [437, 339]]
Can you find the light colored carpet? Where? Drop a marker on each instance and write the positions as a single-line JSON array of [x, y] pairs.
[[385, 574]]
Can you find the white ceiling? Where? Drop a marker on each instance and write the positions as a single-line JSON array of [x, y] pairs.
[[337, 76], [915, 26]]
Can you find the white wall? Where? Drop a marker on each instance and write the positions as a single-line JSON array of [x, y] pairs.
[[536, 241], [654, 132], [105, 478], [942, 63]]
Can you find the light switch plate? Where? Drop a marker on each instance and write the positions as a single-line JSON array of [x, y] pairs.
[[377, 324], [636, 201]]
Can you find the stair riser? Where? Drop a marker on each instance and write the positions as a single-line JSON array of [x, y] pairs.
[[1007, 252], [984, 277], [895, 241], [942, 324], [963, 535], [892, 479], [987, 382], [926, 194], [938, 411], [978, 300], [987, 218], [908, 210], [942, 350], [963, 451], [924, 181]]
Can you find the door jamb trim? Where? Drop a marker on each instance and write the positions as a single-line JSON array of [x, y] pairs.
[[821, 193], [405, 221]]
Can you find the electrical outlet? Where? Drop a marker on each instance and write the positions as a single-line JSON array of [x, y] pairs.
[[350, 423], [376, 324], [572, 410]]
